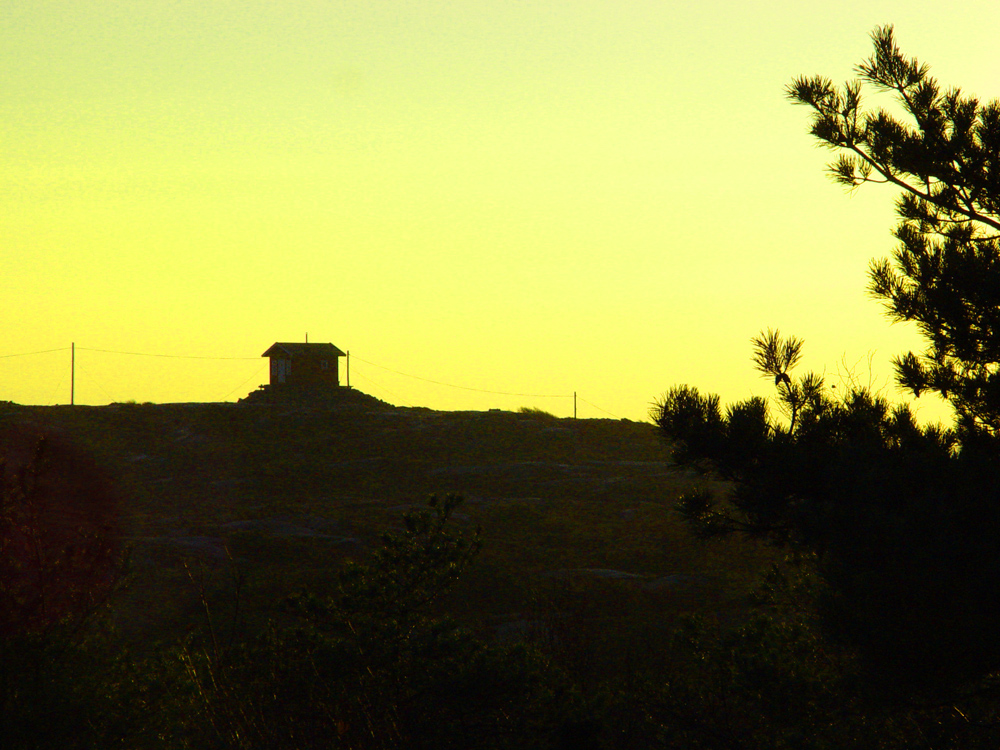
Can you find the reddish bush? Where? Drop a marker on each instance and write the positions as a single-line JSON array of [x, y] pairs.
[[60, 542]]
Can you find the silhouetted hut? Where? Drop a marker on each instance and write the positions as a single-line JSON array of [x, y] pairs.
[[304, 365]]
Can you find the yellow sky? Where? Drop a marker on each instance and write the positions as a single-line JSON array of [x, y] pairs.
[[528, 197]]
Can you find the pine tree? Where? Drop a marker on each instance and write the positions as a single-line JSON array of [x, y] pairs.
[[945, 273], [901, 522]]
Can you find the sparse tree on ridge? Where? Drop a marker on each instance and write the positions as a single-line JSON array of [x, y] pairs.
[[945, 272]]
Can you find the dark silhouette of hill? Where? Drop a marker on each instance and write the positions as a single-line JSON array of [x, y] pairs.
[[283, 491]]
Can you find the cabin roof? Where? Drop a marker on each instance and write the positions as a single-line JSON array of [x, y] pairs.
[[291, 351]]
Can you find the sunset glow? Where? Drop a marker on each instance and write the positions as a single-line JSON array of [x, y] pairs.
[[474, 199]]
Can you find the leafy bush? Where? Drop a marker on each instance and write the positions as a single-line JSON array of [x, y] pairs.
[[375, 666], [61, 559]]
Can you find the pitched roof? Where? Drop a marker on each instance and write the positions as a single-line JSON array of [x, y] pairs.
[[291, 351]]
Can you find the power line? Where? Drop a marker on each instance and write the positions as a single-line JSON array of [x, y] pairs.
[[167, 356], [373, 364], [96, 382], [598, 407], [52, 397], [383, 388], [463, 387], [259, 369], [28, 354]]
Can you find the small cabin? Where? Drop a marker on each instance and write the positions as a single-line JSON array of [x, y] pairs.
[[304, 365]]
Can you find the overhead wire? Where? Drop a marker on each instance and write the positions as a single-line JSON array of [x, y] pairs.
[[59, 384], [259, 369], [95, 381], [382, 387], [463, 387], [257, 372], [167, 356], [28, 354], [581, 398]]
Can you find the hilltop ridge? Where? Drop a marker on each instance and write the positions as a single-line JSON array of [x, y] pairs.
[[286, 490]]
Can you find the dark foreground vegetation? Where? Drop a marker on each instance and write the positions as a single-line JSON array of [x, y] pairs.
[[893, 527], [263, 576], [218, 575]]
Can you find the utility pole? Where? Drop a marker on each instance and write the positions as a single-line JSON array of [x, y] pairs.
[[72, 374], [348, 368], [574, 404]]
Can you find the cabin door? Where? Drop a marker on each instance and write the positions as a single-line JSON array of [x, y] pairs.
[[282, 369]]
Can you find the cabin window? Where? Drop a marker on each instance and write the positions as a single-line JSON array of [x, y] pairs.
[[279, 370]]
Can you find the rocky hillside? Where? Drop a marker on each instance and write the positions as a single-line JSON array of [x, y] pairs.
[[280, 493]]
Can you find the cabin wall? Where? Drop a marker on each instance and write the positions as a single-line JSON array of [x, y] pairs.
[[307, 372]]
